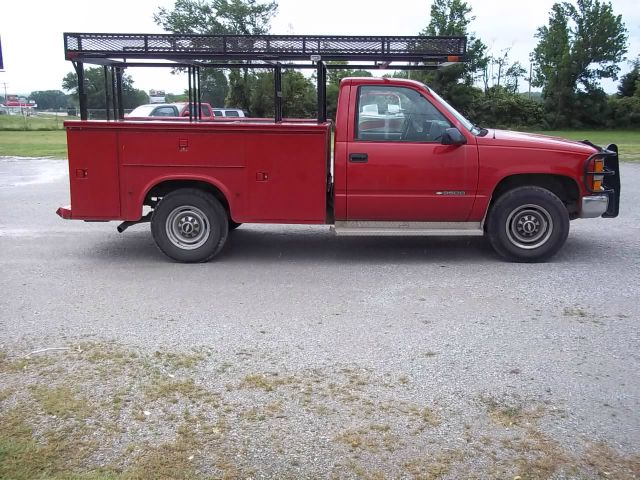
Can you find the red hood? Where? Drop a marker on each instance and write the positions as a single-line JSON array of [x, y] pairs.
[[508, 138]]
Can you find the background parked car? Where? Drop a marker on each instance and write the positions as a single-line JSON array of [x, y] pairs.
[[168, 110], [229, 112]]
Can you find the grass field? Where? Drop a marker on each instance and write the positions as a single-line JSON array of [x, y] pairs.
[[20, 123], [44, 137], [33, 144], [628, 141]]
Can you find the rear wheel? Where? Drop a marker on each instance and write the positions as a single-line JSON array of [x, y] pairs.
[[189, 225], [528, 224]]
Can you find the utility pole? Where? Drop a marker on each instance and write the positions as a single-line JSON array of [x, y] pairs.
[[4, 84], [530, 75]]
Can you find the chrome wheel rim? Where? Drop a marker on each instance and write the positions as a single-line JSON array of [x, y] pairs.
[[187, 227], [529, 226]]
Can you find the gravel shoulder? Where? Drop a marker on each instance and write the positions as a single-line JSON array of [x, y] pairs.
[[299, 354]]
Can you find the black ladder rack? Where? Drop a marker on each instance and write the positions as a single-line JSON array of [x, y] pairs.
[[118, 51]]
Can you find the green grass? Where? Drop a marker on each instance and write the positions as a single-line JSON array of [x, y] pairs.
[[33, 144], [19, 123], [628, 141]]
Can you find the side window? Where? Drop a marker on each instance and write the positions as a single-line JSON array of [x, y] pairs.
[[165, 112], [232, 113], [397, 114], [205, 111], [217, 113]]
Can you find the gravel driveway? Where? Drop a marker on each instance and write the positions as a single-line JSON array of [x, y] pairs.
[[297, 354]]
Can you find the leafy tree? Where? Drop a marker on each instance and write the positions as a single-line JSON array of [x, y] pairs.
[[630, 83], [506, 75], [177, 97], [299, 98], [261, 97], [502, 63], [240, 86], [580, 46], [499, 107], [95, 89], [298, 95], [217, 17], [50, 99], [513, 75], [334, 77], [214, 87], [455, 82], [624, 112]]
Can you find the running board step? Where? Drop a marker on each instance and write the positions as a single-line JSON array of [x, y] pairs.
[[424, 229]]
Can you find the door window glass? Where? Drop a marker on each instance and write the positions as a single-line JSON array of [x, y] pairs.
[[397, 114]]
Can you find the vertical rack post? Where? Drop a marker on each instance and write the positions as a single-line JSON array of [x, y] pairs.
[[107, 96], [199, 93], [119, 93], [277, 83], [114, 97], [82, 94], [322, 91], [190, 96]]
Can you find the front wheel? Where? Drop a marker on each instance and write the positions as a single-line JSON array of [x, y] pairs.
[[528, 224], [189, 225]]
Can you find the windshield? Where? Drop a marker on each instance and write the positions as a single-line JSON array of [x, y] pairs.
[[466, 123]]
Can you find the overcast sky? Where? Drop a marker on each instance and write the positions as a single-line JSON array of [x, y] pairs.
[[31, 30]]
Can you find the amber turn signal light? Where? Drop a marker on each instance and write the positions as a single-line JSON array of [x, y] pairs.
[[598, 166]]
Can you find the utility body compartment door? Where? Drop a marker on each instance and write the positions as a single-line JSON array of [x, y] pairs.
[[93, 173], [397, 169], [287, 174]]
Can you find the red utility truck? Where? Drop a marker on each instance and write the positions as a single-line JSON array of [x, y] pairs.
[[404, 162]]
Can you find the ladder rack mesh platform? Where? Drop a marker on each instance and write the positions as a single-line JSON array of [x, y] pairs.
[[100, 47]]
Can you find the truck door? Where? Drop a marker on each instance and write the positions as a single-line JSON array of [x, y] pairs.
[[397, 168]]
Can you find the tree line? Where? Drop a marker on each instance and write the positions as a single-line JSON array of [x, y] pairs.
[[583, 43]]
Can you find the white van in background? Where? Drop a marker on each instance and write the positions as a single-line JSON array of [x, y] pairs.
[[228, 112]]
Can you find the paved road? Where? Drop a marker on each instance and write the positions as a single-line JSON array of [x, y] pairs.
[[446, 314]]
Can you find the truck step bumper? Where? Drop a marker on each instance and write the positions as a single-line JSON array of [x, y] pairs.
[[64, 212]]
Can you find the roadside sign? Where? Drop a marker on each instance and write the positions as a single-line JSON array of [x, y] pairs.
[[1, 64]]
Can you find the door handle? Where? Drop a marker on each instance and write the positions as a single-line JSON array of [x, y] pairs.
[[359, 158]]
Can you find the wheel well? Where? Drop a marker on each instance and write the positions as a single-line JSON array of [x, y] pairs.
[[163, 188], [565, 188]]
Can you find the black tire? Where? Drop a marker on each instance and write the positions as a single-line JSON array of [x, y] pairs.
[[528, 224], [233, 225], [189, 225]]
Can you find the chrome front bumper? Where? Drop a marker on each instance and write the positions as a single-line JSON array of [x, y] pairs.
[[594, 206]]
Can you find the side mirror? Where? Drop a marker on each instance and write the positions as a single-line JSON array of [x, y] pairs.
[[453, 136]]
